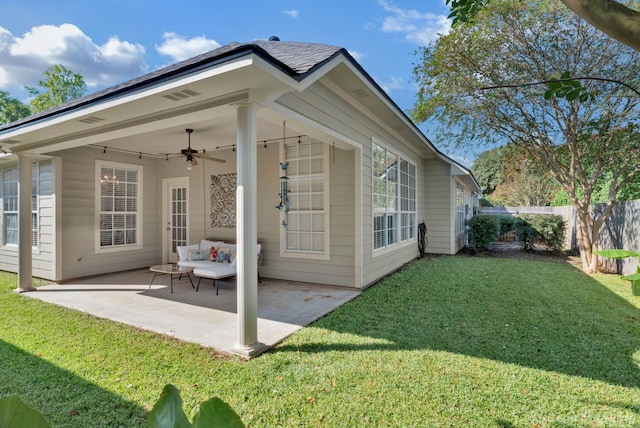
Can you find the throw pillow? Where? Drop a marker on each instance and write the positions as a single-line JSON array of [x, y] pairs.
[[223, 255], [196, 255], [213, 254]]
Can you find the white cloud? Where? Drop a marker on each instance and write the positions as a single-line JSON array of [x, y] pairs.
[[291, 12], [394, 83], [419, 28], [24, 59], [356, 55], [179, 48]]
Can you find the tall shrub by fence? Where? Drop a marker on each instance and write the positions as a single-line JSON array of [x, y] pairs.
[[620, 230]]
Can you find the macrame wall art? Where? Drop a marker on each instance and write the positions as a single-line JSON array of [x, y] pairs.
[[223, 200]]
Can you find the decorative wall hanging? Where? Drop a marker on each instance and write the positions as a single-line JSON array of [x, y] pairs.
[[223, 200]]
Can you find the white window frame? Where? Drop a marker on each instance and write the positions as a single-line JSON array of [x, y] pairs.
[[405, 217], [461, 215], [284, 215], [98, 207], [35, 205]]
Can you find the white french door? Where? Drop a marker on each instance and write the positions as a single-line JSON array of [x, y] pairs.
[[175, 218]]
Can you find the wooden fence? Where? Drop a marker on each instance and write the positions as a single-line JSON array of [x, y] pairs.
[[620, 230]]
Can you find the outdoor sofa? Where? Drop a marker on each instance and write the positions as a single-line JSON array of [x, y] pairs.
[[214, 259]]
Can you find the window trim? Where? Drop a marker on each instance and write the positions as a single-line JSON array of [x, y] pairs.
[[399, 243], [35, 226], [99, 164], [326, 254]]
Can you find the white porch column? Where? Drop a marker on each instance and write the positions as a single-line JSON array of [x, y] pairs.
[[246, 232], [25, 253]]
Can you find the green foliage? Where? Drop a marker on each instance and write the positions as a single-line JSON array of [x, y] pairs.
[[545, 229], [60, 86], [15, 414], [623, 254], [486, 169], [168, 413], [482, 231], [508, 223], [11, 109], [568, 88], [465, 10]]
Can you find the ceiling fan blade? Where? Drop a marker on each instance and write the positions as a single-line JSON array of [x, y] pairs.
[[207, 157], [194, 161]]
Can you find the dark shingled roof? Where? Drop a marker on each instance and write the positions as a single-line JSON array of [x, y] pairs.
[[294, 58]]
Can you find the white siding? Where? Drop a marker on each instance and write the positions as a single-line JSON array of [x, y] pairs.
[[78, 224], [320, 104], [339, 269], [43, 260], [439, 198]]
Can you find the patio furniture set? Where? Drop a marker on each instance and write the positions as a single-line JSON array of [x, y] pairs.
[[211, 258]]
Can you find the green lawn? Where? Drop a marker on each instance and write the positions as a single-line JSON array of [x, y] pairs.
[[448, 341]]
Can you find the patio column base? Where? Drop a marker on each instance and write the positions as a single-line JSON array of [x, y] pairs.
[[24, 290], [249, 351]]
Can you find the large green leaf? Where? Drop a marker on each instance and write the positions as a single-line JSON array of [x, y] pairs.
[[15, 414], [167, 412], [216, 413], [617, 254], [632, 277]]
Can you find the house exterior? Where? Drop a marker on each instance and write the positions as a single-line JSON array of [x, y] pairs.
[[319, 164]]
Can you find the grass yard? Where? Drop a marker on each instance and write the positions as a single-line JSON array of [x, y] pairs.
[[448, 341]]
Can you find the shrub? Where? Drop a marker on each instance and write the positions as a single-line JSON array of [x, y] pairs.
[[541, 229], [508, 223], [483, 231]]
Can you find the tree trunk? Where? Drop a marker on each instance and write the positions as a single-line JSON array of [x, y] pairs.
[[588, 239]]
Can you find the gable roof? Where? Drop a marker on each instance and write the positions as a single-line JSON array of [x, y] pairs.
[[297, 60], [293, 58]]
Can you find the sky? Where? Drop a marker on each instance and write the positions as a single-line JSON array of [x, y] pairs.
[[111, 41]]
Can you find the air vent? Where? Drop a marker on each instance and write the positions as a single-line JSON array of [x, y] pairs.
[[91, 119], [360, 93], [181, 95]]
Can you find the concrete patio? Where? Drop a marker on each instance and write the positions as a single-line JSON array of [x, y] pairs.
[[200, 317]]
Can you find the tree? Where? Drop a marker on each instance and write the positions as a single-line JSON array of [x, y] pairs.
[[524, 181], [60, 86], [486, 170], [611, 17], [11, 109], [529, 41]]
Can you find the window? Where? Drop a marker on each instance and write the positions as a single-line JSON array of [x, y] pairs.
[[10, 206], [394, 198], [119, 206], [10, 197], [304, 219], [460, 211]]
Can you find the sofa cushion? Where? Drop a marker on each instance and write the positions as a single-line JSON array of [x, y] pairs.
[[183, 251], [205, 245], [218, 270]]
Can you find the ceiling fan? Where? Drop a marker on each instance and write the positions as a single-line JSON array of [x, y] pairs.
[[192, 155]]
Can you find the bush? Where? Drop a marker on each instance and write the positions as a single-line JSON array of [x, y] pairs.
[[483, 231], [541, 229], [508, 223]]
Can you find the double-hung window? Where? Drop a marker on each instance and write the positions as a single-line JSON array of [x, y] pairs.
[[394, 198], [119, 206], [304, 212], [10, 197]]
